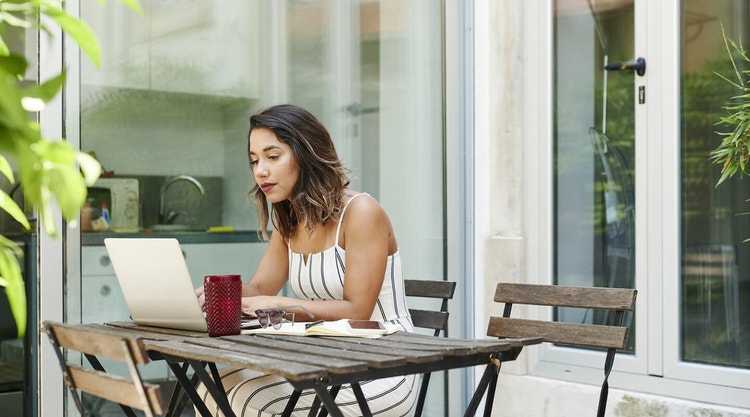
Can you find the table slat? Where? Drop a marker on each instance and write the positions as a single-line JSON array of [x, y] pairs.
[[290, 370], [348, 347], [298, 353]]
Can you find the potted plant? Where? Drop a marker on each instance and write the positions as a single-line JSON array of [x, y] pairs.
[[47, 169]]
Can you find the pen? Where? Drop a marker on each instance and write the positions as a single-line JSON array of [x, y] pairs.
[[315, 323]]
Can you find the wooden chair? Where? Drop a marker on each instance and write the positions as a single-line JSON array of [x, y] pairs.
[[429, 319], [611, 335], [129, 393], [436, 320]]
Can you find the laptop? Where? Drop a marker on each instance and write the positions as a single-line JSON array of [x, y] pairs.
[[156, 284]]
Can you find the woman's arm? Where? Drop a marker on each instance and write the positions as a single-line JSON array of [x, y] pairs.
[[272, 271], [269, 276], [368, 239]]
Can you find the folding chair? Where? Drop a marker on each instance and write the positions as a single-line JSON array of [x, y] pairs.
[[436, 320], [95, 344], [429, 319], [611, 335]]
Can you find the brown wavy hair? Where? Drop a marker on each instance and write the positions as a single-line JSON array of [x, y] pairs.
[[316, 197]]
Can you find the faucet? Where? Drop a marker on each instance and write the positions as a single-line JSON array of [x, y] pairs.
[[167, 219]]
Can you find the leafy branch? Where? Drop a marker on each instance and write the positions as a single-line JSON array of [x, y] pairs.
[[48, 169], [734, 151]]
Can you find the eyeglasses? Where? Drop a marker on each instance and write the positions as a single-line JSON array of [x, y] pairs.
[[275, 316]]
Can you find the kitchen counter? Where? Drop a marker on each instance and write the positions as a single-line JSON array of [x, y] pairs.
[[242, 236]]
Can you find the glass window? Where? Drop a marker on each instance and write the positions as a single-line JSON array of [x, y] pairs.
[[715, 283], [169, 108], [594, 138], [594, 169], [617, 135]]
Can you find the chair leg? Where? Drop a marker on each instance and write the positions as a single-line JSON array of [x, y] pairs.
[[481, 388], [490, 396], [603, 394]]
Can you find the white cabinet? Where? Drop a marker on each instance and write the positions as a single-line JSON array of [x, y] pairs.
[[207, 47], [101, 298], [102, 301]]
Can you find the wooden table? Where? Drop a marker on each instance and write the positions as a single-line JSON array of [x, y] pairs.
[[314, 362]]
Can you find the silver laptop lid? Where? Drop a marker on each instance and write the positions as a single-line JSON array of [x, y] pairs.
[[155, 282]]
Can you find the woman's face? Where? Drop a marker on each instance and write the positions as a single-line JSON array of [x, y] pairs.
[[274, 166]]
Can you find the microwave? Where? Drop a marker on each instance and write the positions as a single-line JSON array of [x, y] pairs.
[[121, 196]]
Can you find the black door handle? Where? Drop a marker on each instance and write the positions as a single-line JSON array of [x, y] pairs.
[[639, 66]]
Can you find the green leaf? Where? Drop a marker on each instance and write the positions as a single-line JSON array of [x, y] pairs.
[[13, 20], [6, 169], [10, 207], [4, 50], [76, 29], [10, 271], [49, 171], [48, 89], [66, 184], [12, 115], [14, 64], [90, 167]]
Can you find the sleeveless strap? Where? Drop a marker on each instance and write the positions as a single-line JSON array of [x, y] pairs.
[[341, 218]]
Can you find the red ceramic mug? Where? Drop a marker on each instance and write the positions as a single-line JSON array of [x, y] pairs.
[[223, 304]]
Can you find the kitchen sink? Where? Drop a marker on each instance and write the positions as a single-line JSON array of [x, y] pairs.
[[177, 228]]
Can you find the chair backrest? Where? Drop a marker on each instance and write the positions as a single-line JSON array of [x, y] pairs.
[[430, 319], [95, 343], [606, 331], [436, 320]]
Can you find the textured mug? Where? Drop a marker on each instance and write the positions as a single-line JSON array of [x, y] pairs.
[[223, 304]]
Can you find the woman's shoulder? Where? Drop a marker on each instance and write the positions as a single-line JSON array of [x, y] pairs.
[[360, 201], [364, 220], [362, 208]]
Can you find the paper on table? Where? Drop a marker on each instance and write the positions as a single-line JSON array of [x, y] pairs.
[[249, 323], [327, 328]]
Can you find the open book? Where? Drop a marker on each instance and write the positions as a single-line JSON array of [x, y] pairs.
[[328, 328]]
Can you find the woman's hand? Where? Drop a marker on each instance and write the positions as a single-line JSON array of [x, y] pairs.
[[250, 304], [301, 308], [200, 292]]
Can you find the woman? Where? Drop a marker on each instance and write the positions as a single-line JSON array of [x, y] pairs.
[[334, 247]]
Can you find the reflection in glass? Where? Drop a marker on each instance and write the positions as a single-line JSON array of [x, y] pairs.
[[715, 283], [594, 151]]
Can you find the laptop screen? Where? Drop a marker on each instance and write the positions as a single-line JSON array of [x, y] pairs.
[[155, 282]]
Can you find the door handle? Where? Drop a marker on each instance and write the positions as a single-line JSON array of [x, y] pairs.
[[639, 66]]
